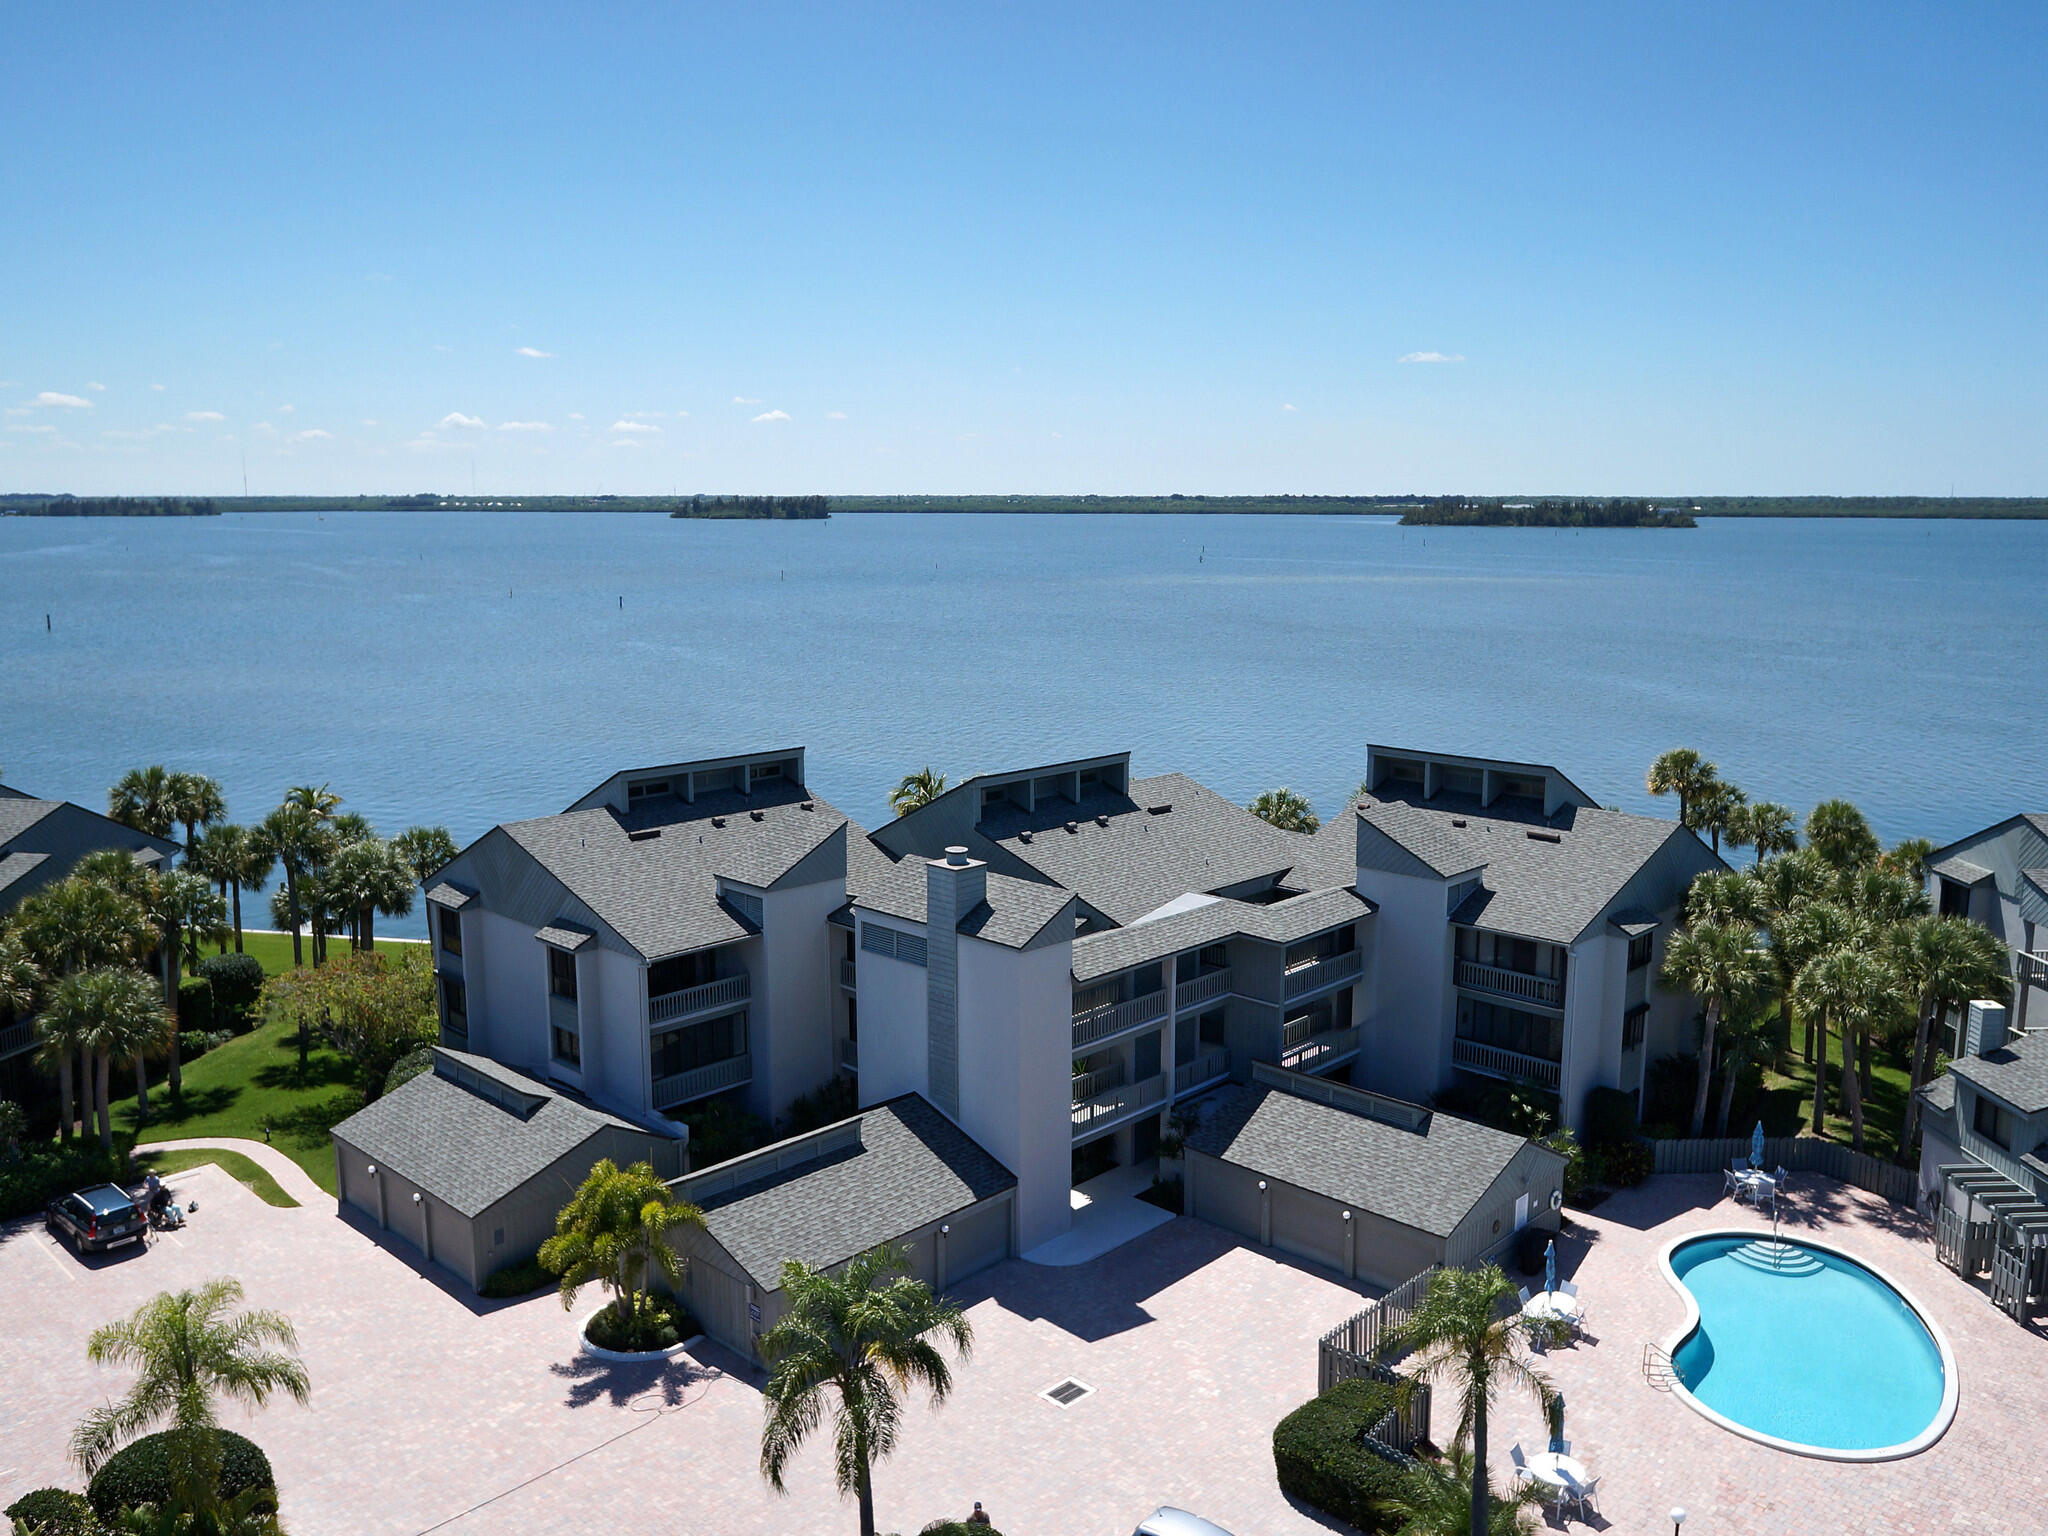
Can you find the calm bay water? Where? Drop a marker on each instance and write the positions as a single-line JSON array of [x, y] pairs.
[[471, 668]]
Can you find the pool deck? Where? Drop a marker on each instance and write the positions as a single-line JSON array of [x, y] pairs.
[[1652, 1452]]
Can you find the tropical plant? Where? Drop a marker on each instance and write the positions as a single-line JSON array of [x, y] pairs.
[[1434, 1498], [916, 790], [1713, 808], [1684, 773], [1944, 962], [615, 1232], [188, 1350], [1838, 833], [1749, 1034], [79, 923], [373, 1009], [1467, 1335], [1718, 963], [143, 799], [426, 849], [233, 857], [190, 913], [366, 878], [13, 1126], [1286, 809], [317, 803], [1907, 857], [291, 836], [1846, 987], [252, 1512], [1724, 896], [1811, 929], [113, 1014], [1764, 825], [194, 802], [19, 975], [142, 1473], [852, 1344]]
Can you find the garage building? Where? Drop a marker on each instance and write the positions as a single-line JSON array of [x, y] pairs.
[[1375, 1188], [469, 1162], [898, 1172]]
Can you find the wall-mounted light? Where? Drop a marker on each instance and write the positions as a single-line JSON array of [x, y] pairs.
[[373, 1170], [945, 1229], [1262, 1185], [415, 1197]]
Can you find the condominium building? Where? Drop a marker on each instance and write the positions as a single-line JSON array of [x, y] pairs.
[[1999, 877]]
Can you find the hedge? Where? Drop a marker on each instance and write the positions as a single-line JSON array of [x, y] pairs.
[[54, 1512], [409, 1066], [1610, 1117], [1320, 1454], [141, 1473], [519, 1279], [53, 1168], [237, 982], [195, 1005]]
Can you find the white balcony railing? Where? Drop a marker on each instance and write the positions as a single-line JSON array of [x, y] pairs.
[[1326, 972], [1090, 1113], [722, 993], [1207, 1068], [1541, 990], [704, 1081], [1314, 1053], [17, 1037], [846, 974], [1106, 1019], [1201, 989], [1497, 1062], [1088, 1084]]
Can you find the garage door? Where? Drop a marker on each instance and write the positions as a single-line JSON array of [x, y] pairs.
[[979, 1239], [719, 1301], [1307, 1226], [1227, 1196]]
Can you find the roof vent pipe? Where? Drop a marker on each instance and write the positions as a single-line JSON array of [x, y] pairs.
[[957, 857]]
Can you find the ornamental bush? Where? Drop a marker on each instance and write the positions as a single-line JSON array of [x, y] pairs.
[[195, 1006], [237, 982], [1610, 1117], [522, 1278], [54, 1512], [1320, 1454], [409, 1066], [51, 1168], [140, 1473]]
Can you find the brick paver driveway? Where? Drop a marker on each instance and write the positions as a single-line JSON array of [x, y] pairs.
[[434, 1413]]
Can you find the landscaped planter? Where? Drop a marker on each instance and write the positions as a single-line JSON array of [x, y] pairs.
[[624, 1357]]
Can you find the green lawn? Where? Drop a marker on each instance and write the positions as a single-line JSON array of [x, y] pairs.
[[247, 1169], [1786, 1104], [274, 950]]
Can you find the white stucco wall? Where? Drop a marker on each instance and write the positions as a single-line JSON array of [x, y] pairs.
[[893, 1055], [505, 973], [1016, 1038], [1407, 1042], [612, 988], [791, 1017]]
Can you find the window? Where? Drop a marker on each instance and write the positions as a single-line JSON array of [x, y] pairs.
[[568, 1048], [852, 1019], [561, 974], [676, 1051], [680, 972], [745, 903], [1510, 1029], [455, 1005], [645, 789], [451, 930], [1955, 898], [1639, 946], [1147, 979], [1632, 1026], [1994, 1123], [1212, 1027], [765, 771]]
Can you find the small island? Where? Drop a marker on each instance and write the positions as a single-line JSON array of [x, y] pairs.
[[776, 508], [1470, 512], [109, 506]]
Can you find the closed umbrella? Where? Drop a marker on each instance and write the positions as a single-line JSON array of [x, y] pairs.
[[1550, 1265], [1756, 1146], [1557, 1426]]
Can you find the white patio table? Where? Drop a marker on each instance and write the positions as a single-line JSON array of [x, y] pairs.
[[1555, 1306]]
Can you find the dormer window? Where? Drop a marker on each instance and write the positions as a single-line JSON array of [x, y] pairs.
[[645, 789]]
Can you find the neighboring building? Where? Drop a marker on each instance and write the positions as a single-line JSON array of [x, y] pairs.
[[1520, 928], [897, 1172], [469, 1162], [1364, 1184], [1999, 877]]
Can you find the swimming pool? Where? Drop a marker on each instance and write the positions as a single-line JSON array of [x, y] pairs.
[[1798, 1345]]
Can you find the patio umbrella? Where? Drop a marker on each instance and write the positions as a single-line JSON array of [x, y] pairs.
[[1756, 1146], [1557, 1426], [1550, 1265]]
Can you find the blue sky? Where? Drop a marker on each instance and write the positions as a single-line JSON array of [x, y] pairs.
[[1026, 248]]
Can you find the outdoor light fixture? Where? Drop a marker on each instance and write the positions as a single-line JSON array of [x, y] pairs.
[[373, 1170], [945, 1229], [1262, 1184], [1677, 1519], [415, 1197]]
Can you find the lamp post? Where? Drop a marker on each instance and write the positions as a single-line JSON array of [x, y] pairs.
[[1677, 1519]]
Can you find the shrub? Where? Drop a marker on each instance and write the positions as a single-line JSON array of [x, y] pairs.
[[958, 1528], [409, 1066], [195, 1006], [140, 1473], [54, 1512], [1629, 1163], [660, 1323], [1668, 1089], [51, 1168], [194, 1043], [237, 981], [832, 1101], [1578, 1167], [720, 1129], [521, 1278], [1167, 1194], [1610, 1117], [1320, 1454]]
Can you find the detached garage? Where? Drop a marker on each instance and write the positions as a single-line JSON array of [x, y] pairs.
[[470, 1162], [1372, 1187], [899, 1172]]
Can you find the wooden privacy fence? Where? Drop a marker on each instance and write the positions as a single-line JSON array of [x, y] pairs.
[[1795, 1154], [1351, 1350]]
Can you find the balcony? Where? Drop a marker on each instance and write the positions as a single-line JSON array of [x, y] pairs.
[[1209, 1067], [1201, 989], [846, 974], [16, 1038], [1093, 1111], [1496, 1062], [1320, 1052], [1543, 991], [1106, 1019], [1329, 971], [849, 1055], [726, 992], [704, 1081]]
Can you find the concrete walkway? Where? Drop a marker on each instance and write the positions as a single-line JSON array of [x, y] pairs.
[[294, 1180], [1107, 1214]]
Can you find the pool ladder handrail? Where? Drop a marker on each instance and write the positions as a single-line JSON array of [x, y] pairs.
[[1658, 1370]]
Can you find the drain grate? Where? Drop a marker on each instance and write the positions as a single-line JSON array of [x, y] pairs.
[[1068, 1392]]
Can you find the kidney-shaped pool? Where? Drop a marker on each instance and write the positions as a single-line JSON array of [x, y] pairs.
[[1798, 1345]]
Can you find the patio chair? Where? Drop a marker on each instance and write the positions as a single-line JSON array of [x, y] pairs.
[[1523, 1292], [1778, 1178], [1519, 1462], [1740, 1165], [1570, 1288], [1564, 1446], [1731, 1183], [1583, 1495]]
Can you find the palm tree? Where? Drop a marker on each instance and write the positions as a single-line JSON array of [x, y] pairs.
[[1467, 1334], [1713, 808], [289, 835], [426, 849], [1724, 896], [1907, 857], [190, 913], [367, 878], [1681, 772], [115, 1014], [915, 790], [317, 803], [614, 1231], [1764, 825], [1720, 965], [143, 800], [1945, 962], [77, 925], [188, 1350], [229, 856], [195, 801], [1810, 930], [1840, 985], [1285, 809], [1435, 1499], [61, 1043], [852, 1343], [1836, 831], [1747, 1036], [19, 975]]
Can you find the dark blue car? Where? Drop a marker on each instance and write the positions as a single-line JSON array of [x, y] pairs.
[[98, 1218]]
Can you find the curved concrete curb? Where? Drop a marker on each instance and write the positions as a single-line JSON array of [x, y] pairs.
[[624, 1357], [293, 1179]]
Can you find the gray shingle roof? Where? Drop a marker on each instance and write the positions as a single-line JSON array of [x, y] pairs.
[[1960, 869], [1939, 1093], [14, 866], [1015, 913], [2016, 1072], [467, 1149], [1546, 887], [451, 896], [1428, 1179], [910, 1166], [1118, 949], [659, 892], [18, 815]]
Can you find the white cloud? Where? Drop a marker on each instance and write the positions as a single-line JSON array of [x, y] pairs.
[[682, 415], [1286, 407], [524, 426], [624, 442], [204, 416], [457, 419], [286, 410], [265, 428], [835, 415], [575, 415], [1432, 357], [532, 352], [744, 400], [314, 434], [633, 426], [643, 415], [23, 427], [369, 421], [773, 416], [97, 388], [438, 347], [72, 402], [158, 388]]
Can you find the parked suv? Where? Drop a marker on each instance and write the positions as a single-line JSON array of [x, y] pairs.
[[97, 1218]]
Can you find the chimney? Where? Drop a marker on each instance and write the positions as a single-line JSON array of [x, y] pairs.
[[1983, 1028], [953, 887]]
